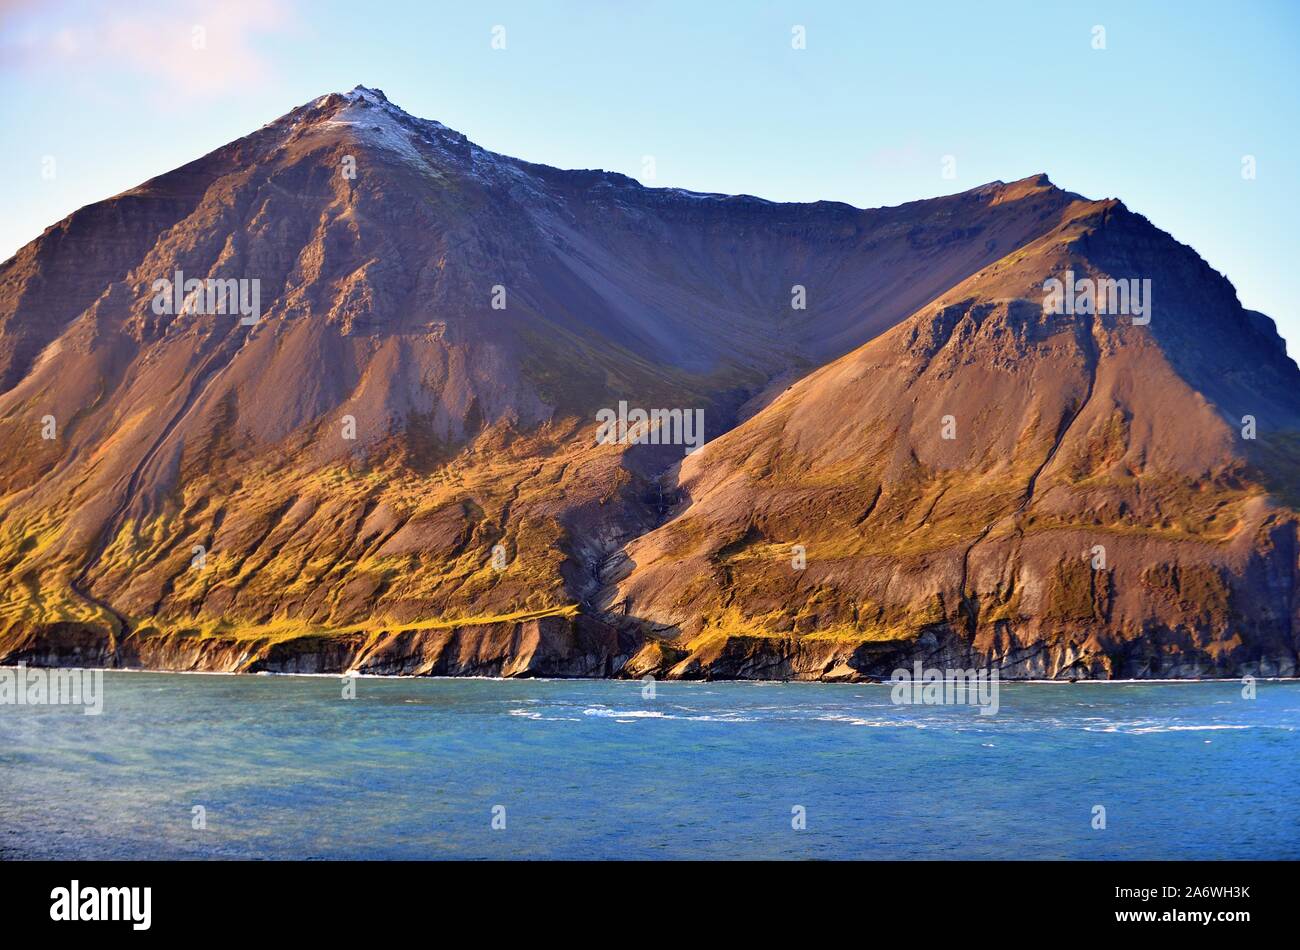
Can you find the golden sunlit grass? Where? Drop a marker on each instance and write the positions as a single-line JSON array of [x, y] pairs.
[[286, 630], [733, 624]]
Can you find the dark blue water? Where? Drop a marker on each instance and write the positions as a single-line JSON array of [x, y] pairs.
[[286, 768]]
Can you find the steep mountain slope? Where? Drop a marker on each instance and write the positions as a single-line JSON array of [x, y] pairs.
[[1094, 510], [395, 467]]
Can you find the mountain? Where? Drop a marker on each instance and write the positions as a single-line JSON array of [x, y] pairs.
[[391, 462]]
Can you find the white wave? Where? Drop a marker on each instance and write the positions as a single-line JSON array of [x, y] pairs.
[[874, 723], [1155, 728], [538, 717], [1171, 728]]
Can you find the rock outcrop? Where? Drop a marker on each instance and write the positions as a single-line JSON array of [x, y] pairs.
[[394, 468]]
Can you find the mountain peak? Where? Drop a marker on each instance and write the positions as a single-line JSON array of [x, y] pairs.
[[1037, 184], [365, 92], [362, 97], [367, 115], [357, 94]]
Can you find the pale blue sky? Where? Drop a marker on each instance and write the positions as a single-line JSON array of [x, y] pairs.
[[1161, 117]]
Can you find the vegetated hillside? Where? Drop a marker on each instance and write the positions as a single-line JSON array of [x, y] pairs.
[[395, 468], [1096, 511]]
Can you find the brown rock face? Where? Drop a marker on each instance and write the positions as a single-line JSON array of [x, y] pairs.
[[395, 467], [1057, 494]]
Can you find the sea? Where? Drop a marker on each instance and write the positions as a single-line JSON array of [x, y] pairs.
[[206, 766]]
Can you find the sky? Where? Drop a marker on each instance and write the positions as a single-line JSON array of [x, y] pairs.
[[1159, 104]]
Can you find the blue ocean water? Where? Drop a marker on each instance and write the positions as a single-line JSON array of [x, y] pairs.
[[284, 767]]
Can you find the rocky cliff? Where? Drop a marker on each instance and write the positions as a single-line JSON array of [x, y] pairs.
[[394, 468]]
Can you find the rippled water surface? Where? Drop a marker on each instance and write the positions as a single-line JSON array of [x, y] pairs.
[[284, 767]]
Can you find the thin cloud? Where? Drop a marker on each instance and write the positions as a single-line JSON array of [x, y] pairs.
[[186, 49]]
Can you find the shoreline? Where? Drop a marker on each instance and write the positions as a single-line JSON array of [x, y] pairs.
[[630, 679]]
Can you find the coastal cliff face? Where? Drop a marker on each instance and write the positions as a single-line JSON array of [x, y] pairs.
[[395, 468]]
